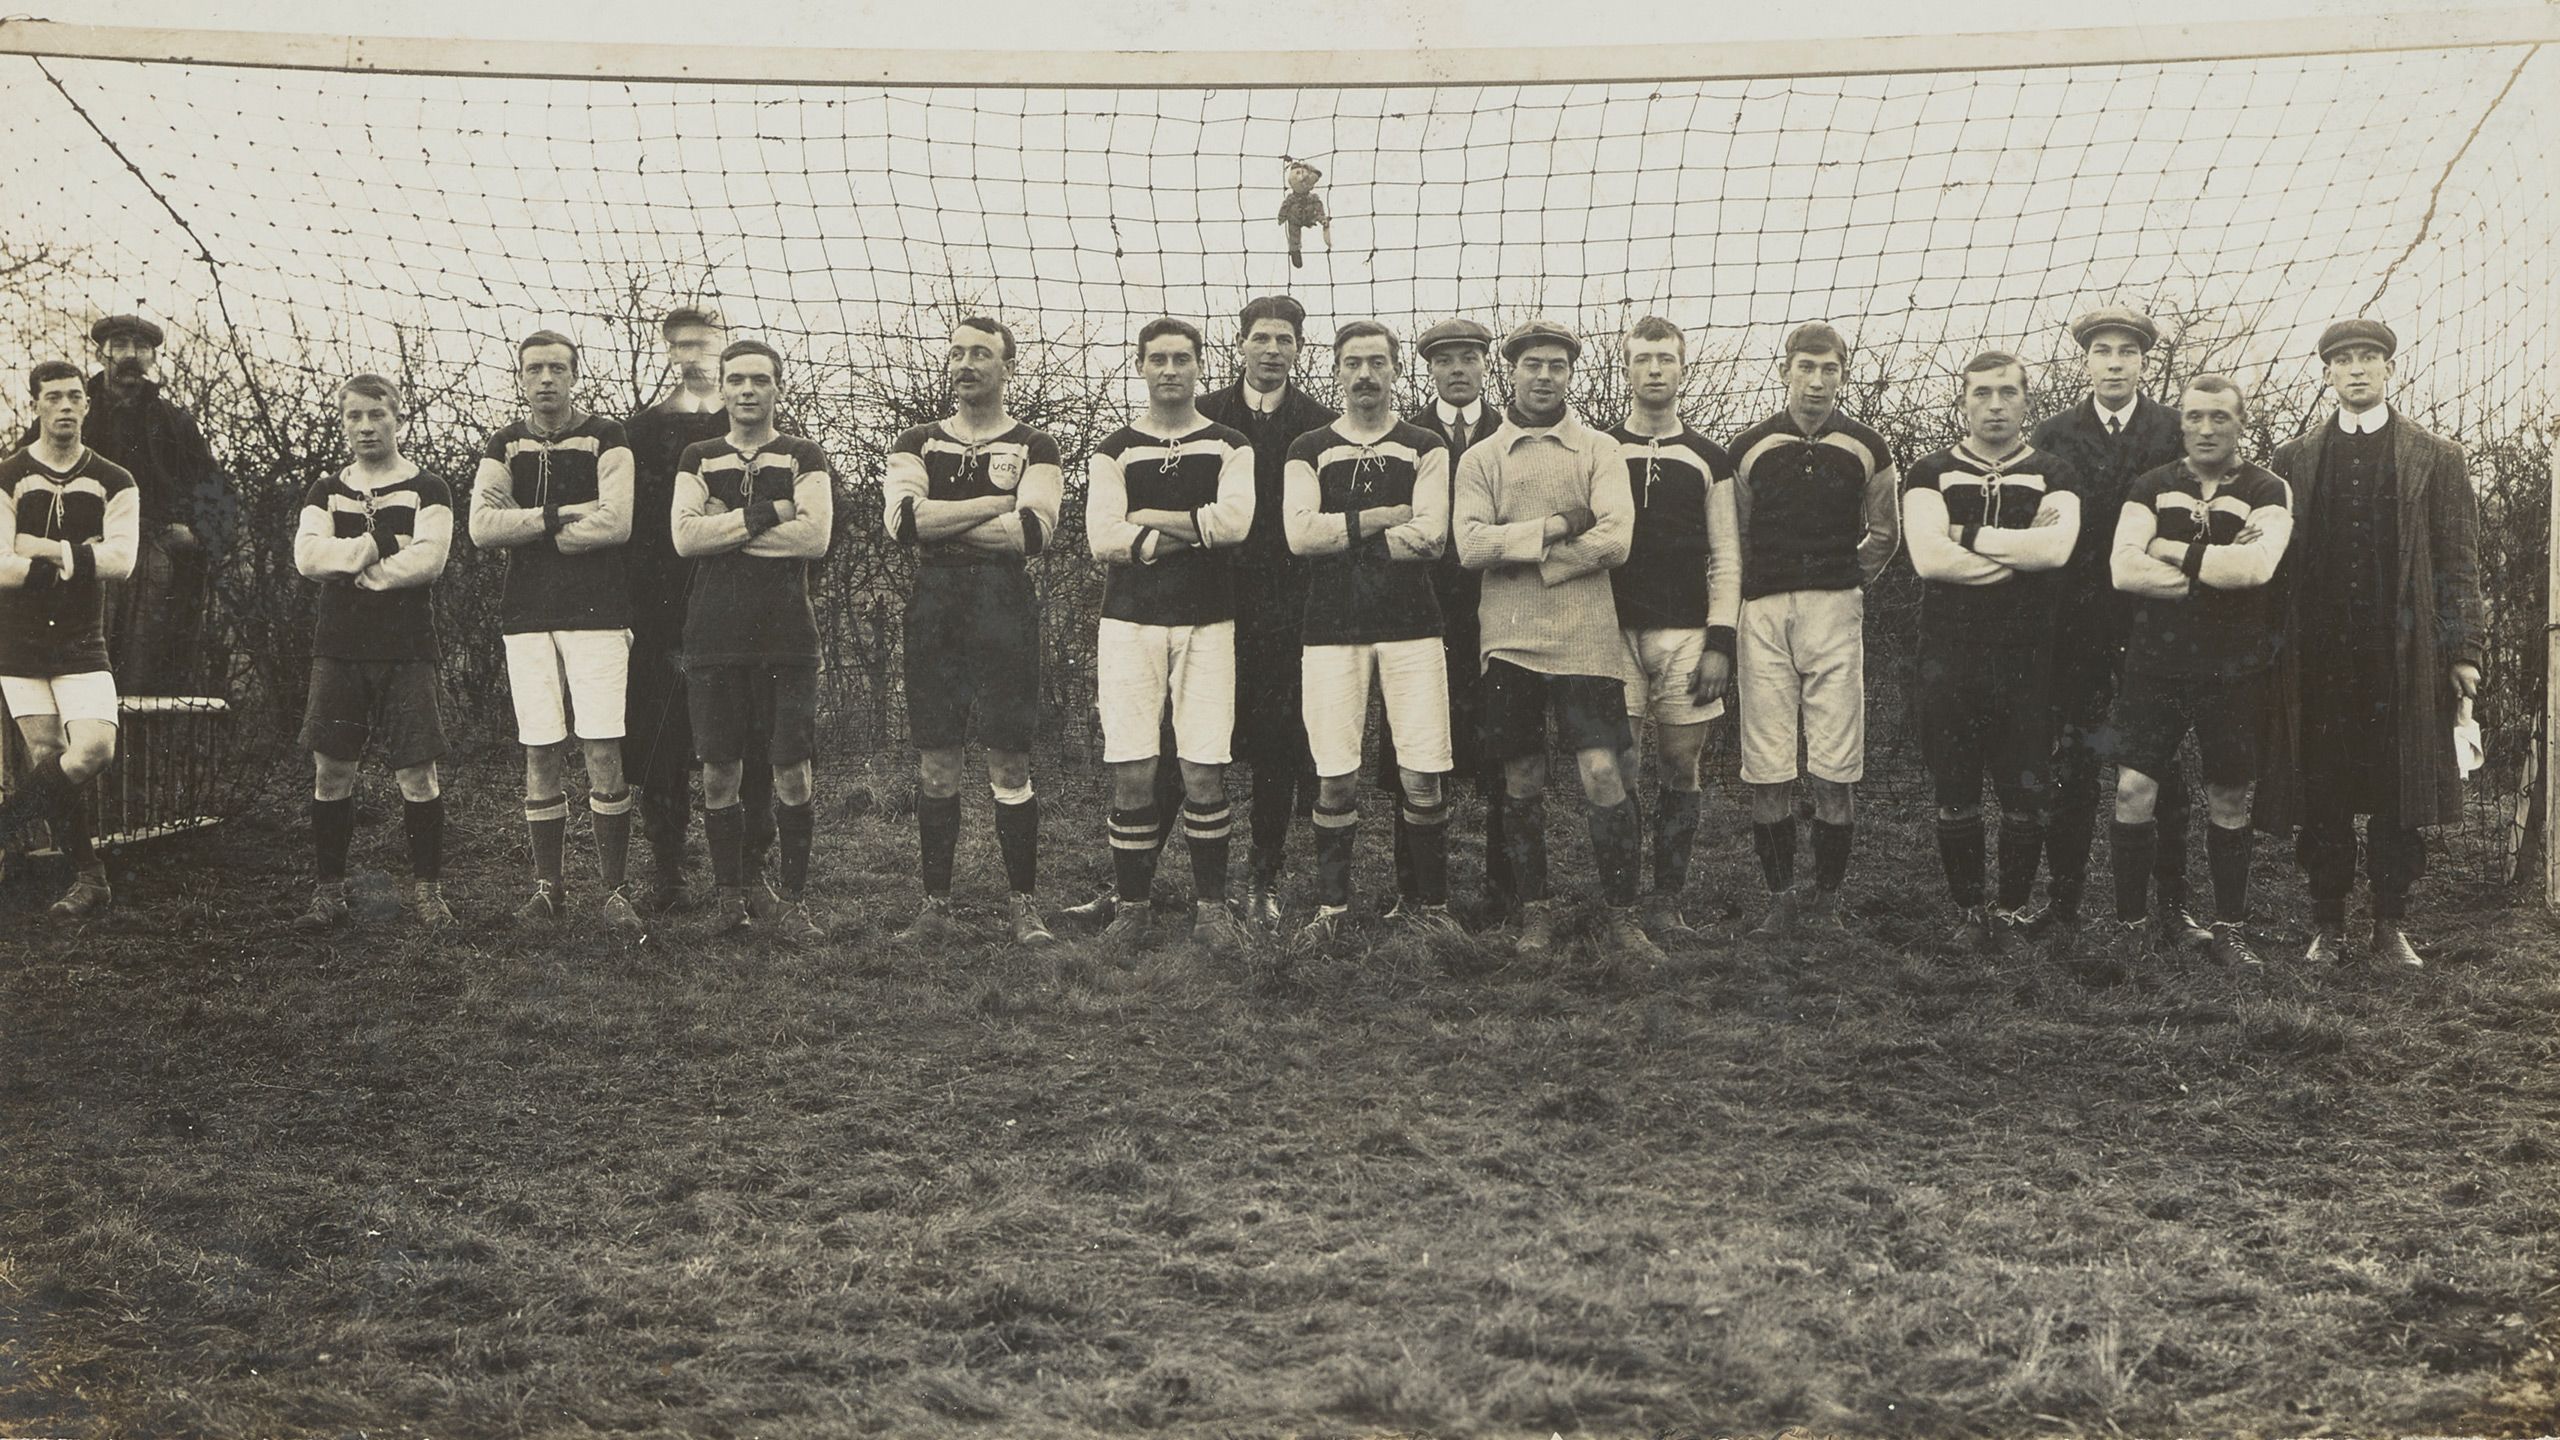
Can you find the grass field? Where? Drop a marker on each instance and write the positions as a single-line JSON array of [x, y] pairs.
[[258, 1185]]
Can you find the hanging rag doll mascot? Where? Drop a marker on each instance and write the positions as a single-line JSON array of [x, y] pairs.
[[1304, 209]]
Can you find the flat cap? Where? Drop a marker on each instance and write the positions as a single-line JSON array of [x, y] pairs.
[[135, 326], [2359, 332], [1541, 332], [1452, 332], [2115, 317], [684, 315]]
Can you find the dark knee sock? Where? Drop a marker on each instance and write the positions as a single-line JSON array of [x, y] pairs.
[[613, 836], [333, 830], [1207, 828], [1524, 845], [2133, 846], [2169, 816], [1400, 826], [2226, 853], [1428, 829], [1960, 856], [937, 840], [2021, 841], [1831, 853], [1776, 844], [1137, 838], [39, 792], [724, 832], [1675, 835], [1615, 847], [71, 835], [1273, 799], [546, 822], [422, 825], [1335, 831], [1018, 836], [795, 830]]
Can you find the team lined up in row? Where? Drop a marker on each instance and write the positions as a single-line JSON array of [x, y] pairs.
[[2093, 594]]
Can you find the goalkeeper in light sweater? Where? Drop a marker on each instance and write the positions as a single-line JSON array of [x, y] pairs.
[[1543, 508]]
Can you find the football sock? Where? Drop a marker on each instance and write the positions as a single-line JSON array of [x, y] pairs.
[[2227, 854], [1335, 831], [1525, 845], [1018, 836], [1960, 856], [1428, 825], [1831, 853], [547, 822], [613, 835], [1136, 840], [333, 829], [422, 822], [2021, 842], [1207, 828], [937, 840], [1776, 844], [2133, 845], [796, 826], [1614, 846], [724, 833]]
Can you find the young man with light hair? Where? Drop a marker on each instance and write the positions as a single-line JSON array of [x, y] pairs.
[[2113, 435], [1815, 493], [977, 495], [1368, 510], [1168, 496], [1542, 509], [554, 491], [2195, 545], [2383, 643], [1991, 520], [70, 523], [375, 535], [753, 509], [1678, 595]]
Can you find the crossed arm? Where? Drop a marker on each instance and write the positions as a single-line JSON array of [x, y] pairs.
[[1419, 531], [1944, 551], [34, 562], [1019, 523], [1563, 546], [793, 529], [321, 555], [1121, 536]]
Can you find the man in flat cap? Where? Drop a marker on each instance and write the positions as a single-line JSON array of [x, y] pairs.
[[2114, 434], [1267, 407], [657, 737], [1543, 510], [155, 620], [1455, 350], [2382, 627]]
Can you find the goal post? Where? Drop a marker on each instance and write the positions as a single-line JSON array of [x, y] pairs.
[[295, 207]]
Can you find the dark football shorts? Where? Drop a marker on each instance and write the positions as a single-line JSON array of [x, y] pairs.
[[390, 701], [742, 711], [1590, 711], [2154, 713], [1987, 710], [972, 647]]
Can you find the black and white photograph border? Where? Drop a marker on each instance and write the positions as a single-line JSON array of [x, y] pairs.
[[886, 1101]]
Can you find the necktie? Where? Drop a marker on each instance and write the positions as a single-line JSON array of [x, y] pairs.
[[2115, 425]]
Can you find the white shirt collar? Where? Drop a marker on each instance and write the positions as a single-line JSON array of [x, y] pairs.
[[1266, 402], [1473, 414], [2366, 423], [2121, 414]]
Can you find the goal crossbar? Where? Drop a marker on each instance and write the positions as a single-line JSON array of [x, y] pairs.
[[1287, 69]]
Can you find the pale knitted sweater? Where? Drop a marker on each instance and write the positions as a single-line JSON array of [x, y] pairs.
[[1546, 608]]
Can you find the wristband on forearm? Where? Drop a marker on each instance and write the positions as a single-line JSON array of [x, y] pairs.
[[1351, 527], [2193, 564], [1720, 640], [1970, 533], [552, 520], [761, 516], [84, 562]]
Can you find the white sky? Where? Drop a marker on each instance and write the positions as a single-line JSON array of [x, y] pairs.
[[2227, 189]]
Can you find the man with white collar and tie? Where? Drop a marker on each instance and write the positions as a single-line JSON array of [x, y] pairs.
[[2382, 628], [1456, 350], [2114, 434]]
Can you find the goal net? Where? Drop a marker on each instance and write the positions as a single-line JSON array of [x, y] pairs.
[[292, 225]]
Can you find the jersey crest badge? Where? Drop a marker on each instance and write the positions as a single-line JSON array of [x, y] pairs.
[[1004, 471]]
